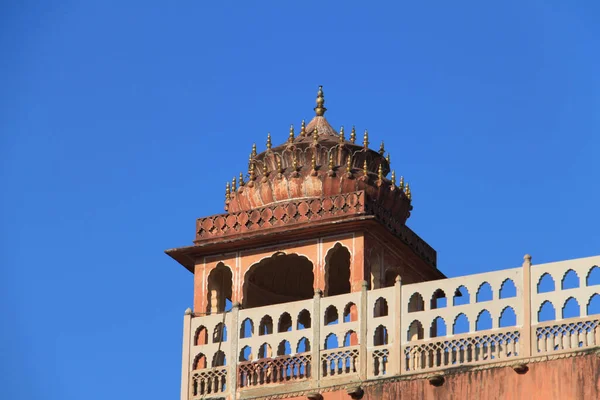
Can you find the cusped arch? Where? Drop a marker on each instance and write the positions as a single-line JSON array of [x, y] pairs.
[[461, 296], [570, 308], [220, 288], [245, 354], [337, 270], [438, 299], [303, 345], [266, 325], [201, 336], [546, 283], [484, 293], [304, 320], [219, 359], [380, 337], [285, 323], [380, 309], [350, 338], [461, 324], [508, 289], [546, 312], [570, 280], [331, 341], [280, 278], [416, 303], [593, 276], [247, 328], [219, 333], [265, 351], [284, 348], [593, 304], [415, 331], [350, 312], [507, 318], [484, 321], [331, 315], [437, 327], [199, 361]]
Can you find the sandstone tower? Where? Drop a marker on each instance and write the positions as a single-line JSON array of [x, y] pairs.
[[311, 285]]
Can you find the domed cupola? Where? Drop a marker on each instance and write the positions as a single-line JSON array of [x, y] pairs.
[[319, 162]]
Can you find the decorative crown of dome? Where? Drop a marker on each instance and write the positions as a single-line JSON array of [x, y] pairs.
[[318, 162]]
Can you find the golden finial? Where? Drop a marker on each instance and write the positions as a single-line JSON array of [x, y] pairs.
[[279, 169], [331, 161], [342, 138], [393, 179], [314, 162], [382, 148], [353, 135], [401, 183], [380, 172], [269, 141], [233, 185], [320, 108], [303, 128], [291, 137], [241, 179], [315, 135], [365, 168], [366, 139], [227, 192], [265, 168], [253, 154], [252, 172], [349, 163], [295, 163], [408, 192], [388, 159]]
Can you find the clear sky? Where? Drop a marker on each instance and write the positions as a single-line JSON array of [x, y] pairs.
[[120, 124]]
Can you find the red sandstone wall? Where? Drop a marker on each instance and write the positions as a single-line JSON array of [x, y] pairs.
[[563, 379]]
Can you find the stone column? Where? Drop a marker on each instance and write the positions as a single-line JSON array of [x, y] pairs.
[[234, 349], [363, 336], [526, 344], [315, 353], [396, 351], [185, 355]]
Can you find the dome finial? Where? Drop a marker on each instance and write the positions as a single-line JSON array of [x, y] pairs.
[[353, 135], [320, 108], [269, 141], [291, 136], [303, 128]]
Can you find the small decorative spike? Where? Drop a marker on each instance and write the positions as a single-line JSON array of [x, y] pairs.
[[303, 128], [314, 165], [331, 165], [315, 135], [388, 159], [269, 141], [380, 173], [401, 183], [349, 164], [295, 163], [365, 168], [253, 154], [265, 168], [279, 169], [366, 139], [353, 135], [394, 179], [252, 172], [233, 185], [227, 192], [382, 148], [342, 138], [291, 137], [408, 192], [241, 179], [320, 108]]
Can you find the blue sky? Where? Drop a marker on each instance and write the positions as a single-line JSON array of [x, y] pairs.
[[120, 124]]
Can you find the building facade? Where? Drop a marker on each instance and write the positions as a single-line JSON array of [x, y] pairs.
[[311, 285]]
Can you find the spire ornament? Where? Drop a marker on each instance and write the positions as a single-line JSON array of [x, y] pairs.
[[315, 136], [241, 180], [401, 183], [233, 185], [331, 172], [388, 159], [269, 141], [349, 166], [295, 168], [380, 175], [320, 108], [342, 138], [365, 168], [353, 135], [313, 163], [253, 154], [408, 192], [291, 136], [227, 196], [265, 171], [382, 148], [366, 139], [303, 128], [393, 180]]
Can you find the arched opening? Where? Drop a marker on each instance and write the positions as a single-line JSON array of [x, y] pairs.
[[303, 320], [284, 348], [220, 333], [570, 280], [281, 278], [380, 337], [247, 328], [461, 296], [484, 321], [415, 331], [381, 308], [438, 299], [200, 361], [337, 271], [218, 359], [331, 315], [545, 284], [416, 303], [246, 354], [303, 345], [219, 289], [593, 305], [547, 312], [331, 341], [350, 339], [201, 336], [508, 317], [508, 289], [593, 276], [266, 326], [461, 324], [264, 351], [350, 313], [438, 327], [484, 293], [285, 323], [571, 308]]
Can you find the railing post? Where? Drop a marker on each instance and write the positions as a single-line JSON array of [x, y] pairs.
[[185, 355], [316, 339], [233, 353], [364, 316], [396, 350], [526, 346]]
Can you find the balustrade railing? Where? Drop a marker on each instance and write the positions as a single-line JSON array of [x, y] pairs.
[[404, 329]]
